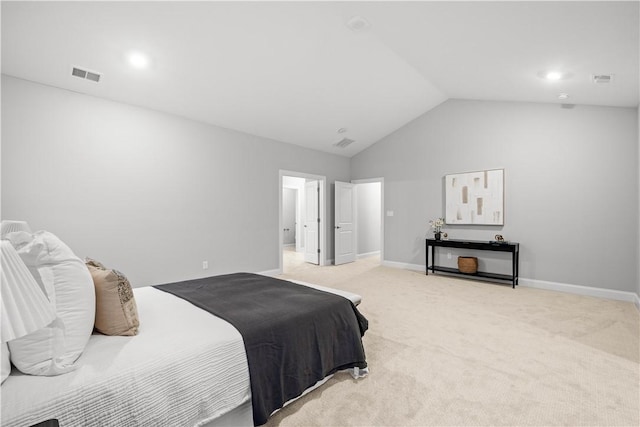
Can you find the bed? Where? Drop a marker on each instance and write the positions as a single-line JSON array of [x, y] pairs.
[[186, 367]]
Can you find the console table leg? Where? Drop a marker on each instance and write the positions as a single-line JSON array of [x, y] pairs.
[[426, 265], [517, 266], [514, 269]]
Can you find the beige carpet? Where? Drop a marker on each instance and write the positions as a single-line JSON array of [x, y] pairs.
[[451, 352]]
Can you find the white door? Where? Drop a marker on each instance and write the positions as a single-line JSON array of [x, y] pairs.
[[345, 236], [311, 222]]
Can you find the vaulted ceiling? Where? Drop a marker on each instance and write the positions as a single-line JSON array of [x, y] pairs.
[[313, 73]]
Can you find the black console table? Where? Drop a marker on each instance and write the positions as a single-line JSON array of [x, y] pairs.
[[511, 247]]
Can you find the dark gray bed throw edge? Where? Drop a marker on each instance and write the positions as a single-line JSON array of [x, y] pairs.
[[294, 335]]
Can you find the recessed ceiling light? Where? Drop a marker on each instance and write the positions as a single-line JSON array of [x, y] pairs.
[[342, 130], [563, 96], [138, 60], [553, 75]]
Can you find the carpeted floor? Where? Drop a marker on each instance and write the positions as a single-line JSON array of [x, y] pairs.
[[444, 351]]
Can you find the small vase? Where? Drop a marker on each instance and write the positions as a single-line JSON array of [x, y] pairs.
[[437, 235]]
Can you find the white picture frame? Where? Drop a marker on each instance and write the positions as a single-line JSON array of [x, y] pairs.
[[475, 198]]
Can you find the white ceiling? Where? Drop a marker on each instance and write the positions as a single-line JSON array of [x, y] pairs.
[[294, 71]]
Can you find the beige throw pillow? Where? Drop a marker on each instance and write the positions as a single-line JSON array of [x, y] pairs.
[[116, 310]]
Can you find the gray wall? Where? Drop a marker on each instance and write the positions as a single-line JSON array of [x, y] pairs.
[[368, 217], [154, 195], [571, 184], [150, 194]]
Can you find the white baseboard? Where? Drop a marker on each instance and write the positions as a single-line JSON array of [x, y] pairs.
[[405, 266], [580, 290], [272, 273], [551, 286], [368, 254]]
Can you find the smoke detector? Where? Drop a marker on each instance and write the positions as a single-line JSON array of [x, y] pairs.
[[602, 78], [344, 143], [358, 23], [86, 74]]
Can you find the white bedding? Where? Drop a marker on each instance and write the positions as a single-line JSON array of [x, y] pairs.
[[191, 365]]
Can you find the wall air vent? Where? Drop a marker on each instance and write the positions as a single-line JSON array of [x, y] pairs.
[[344, 143], [79, 73], [602, 78], [85, 74]]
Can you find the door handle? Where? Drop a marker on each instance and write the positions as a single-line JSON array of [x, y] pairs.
[[337, 226]]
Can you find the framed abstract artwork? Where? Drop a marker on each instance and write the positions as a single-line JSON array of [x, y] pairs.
[[475, 197]]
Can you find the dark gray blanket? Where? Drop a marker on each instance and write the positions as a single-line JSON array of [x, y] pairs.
[[294, 335]]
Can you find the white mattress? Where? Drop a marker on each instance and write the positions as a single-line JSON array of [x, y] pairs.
[[190, 365]]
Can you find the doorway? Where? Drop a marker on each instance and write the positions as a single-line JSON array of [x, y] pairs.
[[290, 217], [301, 219], [369, 219]]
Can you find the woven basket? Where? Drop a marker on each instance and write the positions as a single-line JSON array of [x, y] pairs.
[[468, 264]]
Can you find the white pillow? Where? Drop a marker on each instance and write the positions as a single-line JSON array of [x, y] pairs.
[[6, 363], [54, 349]]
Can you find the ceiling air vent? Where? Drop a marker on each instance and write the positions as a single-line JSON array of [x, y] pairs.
[[84, 74], [602, 78], [344, 143]]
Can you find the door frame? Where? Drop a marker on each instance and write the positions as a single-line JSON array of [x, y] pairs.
[[322, 180], [367, 181]]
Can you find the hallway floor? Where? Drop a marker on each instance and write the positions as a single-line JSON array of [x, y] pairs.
[[293, 262]]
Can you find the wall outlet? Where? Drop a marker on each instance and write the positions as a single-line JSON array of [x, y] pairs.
[[389, 213], [449, 255], [205, 265]]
